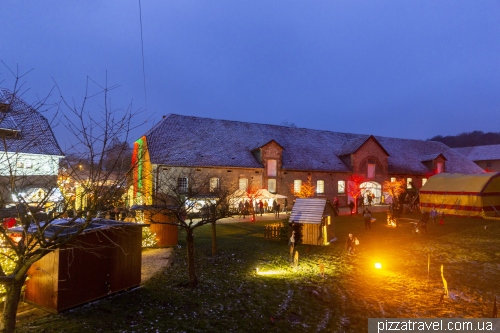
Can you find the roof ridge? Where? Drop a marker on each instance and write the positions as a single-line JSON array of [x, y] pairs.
[[248, 122]]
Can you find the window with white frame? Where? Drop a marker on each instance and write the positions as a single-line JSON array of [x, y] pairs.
[[371, 170], [214, 184], [182, 184], [271, 185], [341, 187], [320, 187], [271, 168], [393, 179], [424, 180], [297, 184], [20, 164], [439, 167], [408, 183], [243, 184], [28, 164]]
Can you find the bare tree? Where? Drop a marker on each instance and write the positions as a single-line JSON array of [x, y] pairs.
[[192, 198], [29, 179]]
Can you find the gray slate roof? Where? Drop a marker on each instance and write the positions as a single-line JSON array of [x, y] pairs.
[[481, 153], [429, 157], [35, 137], [195, 141]]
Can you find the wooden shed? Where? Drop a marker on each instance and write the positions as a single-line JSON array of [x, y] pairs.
[[103, 260], [317, 220], [166, 234]]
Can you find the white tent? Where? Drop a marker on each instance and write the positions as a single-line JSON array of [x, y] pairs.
[[261, 194]]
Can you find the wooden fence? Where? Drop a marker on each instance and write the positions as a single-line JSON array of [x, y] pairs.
[[274, 231]]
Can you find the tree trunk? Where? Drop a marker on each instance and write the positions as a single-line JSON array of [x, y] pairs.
[[214, 239], [8, 324], [193, 279]]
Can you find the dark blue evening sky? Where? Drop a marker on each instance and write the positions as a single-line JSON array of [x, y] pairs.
[[410, 69]]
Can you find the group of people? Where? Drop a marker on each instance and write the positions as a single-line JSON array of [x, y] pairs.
[[421, 225], [247, 207]]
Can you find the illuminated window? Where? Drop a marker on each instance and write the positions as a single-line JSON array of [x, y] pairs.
[[182, 184], [439, 167], [341, 187], [28, 164], [393, 179], [20, 164], [271, 168], [424, 180], [214, 184], [271, 185], [297, 184], [371, 170], [408, 183], [320, 187], [243, 184]]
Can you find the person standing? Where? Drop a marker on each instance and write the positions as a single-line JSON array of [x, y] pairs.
[[351, 206], [369, 199], [246, 209], [423, 221], [434, 214], [261, 207], [367, 215], [350, 244], [266, 205], [278, 207], [285, 206]]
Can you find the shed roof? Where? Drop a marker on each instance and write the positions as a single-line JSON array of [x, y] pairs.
[[195, 141], [36, 136], [69, 226], [308, 210], [481, 153]]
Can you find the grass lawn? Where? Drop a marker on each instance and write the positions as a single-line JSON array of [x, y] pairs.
[[233, 298]]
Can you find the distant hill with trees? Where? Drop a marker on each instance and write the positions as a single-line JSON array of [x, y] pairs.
[[469, 139]]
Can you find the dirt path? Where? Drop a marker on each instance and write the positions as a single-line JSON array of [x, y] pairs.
[[155, 259]]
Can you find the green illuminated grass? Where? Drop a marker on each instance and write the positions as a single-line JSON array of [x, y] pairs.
[[233, 298]]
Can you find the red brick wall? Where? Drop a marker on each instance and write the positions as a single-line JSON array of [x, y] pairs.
[[272, 151], [371, 150], [331, 179], [437, 160]]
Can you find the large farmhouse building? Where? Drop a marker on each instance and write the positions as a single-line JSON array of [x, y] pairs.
[[487, 157], [281, 158], [29, 153]]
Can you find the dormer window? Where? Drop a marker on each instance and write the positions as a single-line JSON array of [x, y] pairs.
[[439, 167], [371, 169], [271, 168]]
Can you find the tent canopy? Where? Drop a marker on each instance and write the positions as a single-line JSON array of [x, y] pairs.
[[261, 194], [456, 182], [462, 195]]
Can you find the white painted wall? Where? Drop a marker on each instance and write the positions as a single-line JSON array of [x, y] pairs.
[[41, 165]]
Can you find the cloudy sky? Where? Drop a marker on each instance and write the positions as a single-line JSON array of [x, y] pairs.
[[411, 69]]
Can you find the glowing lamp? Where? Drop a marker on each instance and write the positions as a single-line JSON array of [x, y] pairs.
[[378, 265], [252, 219]]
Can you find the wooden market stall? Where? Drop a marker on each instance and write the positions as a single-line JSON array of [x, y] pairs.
[[316, 219], [166, 234], [103, 260], [456, 194]]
